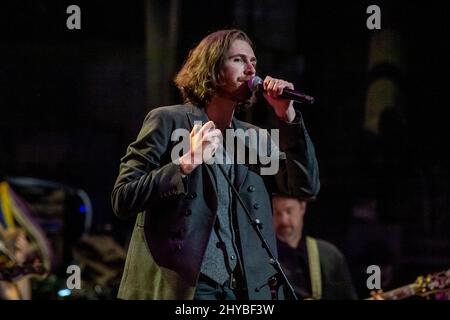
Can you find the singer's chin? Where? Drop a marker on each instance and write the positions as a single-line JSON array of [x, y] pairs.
[[243, 96]]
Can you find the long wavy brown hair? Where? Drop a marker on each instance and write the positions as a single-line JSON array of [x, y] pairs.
[[202, 71]]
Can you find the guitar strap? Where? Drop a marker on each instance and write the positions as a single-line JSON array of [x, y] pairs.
[[314, 268]]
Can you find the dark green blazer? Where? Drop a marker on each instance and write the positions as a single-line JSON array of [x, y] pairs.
[[175, 216], [337, 282]]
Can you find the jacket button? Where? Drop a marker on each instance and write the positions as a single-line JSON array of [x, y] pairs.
[[220, 245], [191, 196], [256, 206], [188, 212], [251, 188], [232, 257]]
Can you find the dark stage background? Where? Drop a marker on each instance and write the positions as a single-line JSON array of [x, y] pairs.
[[72, 100]]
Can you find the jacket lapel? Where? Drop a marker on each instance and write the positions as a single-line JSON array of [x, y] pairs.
[[197, 114], [240, 170]]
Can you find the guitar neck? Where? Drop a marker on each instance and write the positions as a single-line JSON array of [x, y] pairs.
[[400, 293], [423, 286]]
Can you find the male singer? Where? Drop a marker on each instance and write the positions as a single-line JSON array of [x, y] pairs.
[[192, 239]]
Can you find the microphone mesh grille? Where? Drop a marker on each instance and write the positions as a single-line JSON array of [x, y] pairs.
[[254, 82]]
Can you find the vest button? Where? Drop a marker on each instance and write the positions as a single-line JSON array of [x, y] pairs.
[[251, 188], [188, 212], [181, 233], [256, 206], [191, 196]]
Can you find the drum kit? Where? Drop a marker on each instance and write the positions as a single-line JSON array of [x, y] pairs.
[[36, 248], [25, 252]]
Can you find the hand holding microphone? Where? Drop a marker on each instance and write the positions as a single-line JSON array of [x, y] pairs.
[[256, 83]]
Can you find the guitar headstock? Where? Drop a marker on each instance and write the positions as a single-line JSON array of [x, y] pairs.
[[433, 283]]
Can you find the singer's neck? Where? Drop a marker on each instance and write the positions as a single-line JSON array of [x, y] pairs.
[[221, 110]]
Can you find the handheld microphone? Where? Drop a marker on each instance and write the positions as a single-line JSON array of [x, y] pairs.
[[256, 83]]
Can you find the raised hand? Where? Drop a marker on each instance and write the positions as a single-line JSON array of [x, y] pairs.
[[203, 143]]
